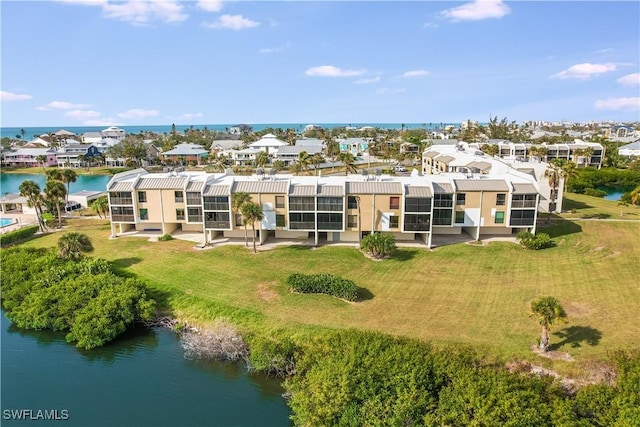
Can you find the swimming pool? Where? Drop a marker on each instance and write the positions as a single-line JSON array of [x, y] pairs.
[[5, 221]]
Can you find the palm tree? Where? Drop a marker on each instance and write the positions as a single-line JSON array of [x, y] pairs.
[[262, 158], [348, 161], [73, 245], [567, 171], [553, 174], [304, 159], [41, 159], [55, 174], [548, 311], [378, 244], [31, 190], [316, 159], [101, 206], [239, 200], [69, 176], [55, 193], [278, 165], [251, 213]]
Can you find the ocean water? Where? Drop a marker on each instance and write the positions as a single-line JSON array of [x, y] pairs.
[[32, 132]]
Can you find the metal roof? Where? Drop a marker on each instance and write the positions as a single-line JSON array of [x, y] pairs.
[[161, 183], [121, 186], [330, 190], [373, 187], [479, 165], [481, 185], [442, 187], [266, 186], [302, 190], [524, 189], [431, 154], [217, 190], [445, 159], [416, 191], [195, 186]]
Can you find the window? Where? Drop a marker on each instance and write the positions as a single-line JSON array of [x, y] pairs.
[[194, 214], [329, 221], [500, 217], [442, 217], [180, 214], [144, 214], [394, 202], [302, 204], [459, 217], [142, 196], [417, 222], [238, 220], [193, 198], [394, 221], [415, 204], [461, 198], [332, 204], [219, 203], [302, 221], [443, 200], [352, 202], [216, 220], [179, 197], [280, 202], [280, 219], [352, 221], [500, 199], [522, 217]]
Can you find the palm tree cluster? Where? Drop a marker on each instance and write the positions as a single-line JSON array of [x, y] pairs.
[[548, 311], [251, 213]]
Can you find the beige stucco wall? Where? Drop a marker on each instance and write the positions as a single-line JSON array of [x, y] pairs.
[[495, 230], [291, 234], [447, 230]]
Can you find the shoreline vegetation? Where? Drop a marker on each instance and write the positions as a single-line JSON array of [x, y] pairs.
[[440, 329], [95, 170]]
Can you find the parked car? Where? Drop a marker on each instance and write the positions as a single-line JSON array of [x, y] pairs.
[[400, 169]]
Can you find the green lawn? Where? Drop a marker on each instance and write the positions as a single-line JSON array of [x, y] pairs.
[[471, 294], [582, 206]]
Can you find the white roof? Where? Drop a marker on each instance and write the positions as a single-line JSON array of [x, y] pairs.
[[269, 140]]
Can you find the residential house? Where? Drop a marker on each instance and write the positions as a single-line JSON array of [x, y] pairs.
[[186, 152], [29, 157], [72, 155], [114, 132], [269, 143], [355, 146], [291, 153], [631, 150]]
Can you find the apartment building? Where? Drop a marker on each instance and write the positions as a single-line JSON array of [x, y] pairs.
[[326, 209], [464, 159]]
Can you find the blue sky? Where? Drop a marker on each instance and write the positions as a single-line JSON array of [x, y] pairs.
[[98, 62]]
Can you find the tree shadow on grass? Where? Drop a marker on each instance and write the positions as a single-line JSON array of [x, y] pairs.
[[364, 294], [559, 228], [576, 336], [126, 262], [404, 254], [569, 204]]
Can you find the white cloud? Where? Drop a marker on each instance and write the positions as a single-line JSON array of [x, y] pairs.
[[331, 71], [62, 105], [584, 71], [138, 113], [390, 90], [414, 73], [82, 114], [368, 81], [477, 10], [138, 12], [430, 25], [625, 104], [8, 96], [210, 5], [604, 50], [232, 22], [276, 49], [630, 79]]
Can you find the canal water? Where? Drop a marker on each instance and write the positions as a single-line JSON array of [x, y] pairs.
[[141, 379], [10, 182]]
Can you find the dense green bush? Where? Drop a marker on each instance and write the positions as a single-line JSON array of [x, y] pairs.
[[17, 235], [165, 238], [594, 192], [324, 284], [605, 177], [83, 297], [534, 241], [379, 245]]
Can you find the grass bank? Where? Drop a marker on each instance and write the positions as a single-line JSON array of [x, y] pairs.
[[467, 294], [581, 206]]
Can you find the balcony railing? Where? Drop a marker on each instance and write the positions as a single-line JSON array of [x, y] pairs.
[[216, 206], [521, 221], [193, 201], [217, 224], [122, 218], [302, 225], [195, 218], [330, 207], [523, 203], [121, 201], [329, 226], [304, 207]]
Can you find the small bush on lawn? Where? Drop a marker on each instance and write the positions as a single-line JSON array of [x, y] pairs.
[[594, 192], [165, 237], [534, 241], [324, 284], [17, 235]]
